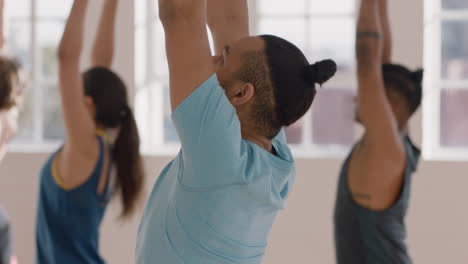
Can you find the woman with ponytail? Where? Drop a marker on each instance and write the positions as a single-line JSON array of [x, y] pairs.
[[78, 180]]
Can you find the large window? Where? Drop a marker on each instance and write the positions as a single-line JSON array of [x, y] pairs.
[[33, 29], [446, 62], [322, 29], [151, 75]]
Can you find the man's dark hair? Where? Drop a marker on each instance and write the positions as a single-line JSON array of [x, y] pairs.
[[406, 83], [284, 83], [9, 70]]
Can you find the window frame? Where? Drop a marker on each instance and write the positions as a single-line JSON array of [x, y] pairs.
[[309, 149], [36, 83], [154, 136], [434, 84]]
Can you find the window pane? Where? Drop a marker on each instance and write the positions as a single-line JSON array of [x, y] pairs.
[[140, 55], [49, 34], [275, 7], [292, 30], [140, 12], [149, 109], [17, 8], [453, 122], [294, 133], [142, 114], [54, 128], [26, 120], [455, 50], [170, 133], [53, 8], [156, 61], [454, 4], [333, 116], [334, 38], [160, 51], [18, 41], [332, 6]]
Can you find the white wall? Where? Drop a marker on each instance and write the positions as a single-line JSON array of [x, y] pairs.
[[437, 223]]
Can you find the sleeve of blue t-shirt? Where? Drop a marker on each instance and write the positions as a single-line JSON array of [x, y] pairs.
[[210, 135]]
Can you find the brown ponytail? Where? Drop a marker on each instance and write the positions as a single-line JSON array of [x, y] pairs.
[[127, 159], [109, 95]]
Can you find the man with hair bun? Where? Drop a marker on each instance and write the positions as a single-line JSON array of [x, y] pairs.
[[374, 185], [216, 202]]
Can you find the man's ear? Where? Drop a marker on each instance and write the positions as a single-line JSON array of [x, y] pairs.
[[398, 104], [243, 95], [88, 101]]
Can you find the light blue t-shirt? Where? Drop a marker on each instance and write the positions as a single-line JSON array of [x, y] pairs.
[[216, 202]]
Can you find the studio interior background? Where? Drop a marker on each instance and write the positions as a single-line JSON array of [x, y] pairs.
[[428, 33]]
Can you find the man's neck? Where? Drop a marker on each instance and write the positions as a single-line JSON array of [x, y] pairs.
[[261, 141]]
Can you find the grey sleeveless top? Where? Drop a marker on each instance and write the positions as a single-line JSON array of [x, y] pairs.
[[363, 236], [5, 238]]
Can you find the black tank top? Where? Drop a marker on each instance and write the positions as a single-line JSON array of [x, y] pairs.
[[363, 236]]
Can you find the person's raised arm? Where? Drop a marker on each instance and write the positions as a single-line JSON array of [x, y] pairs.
[[228, 21], [387, 32], [103, 47], [80, 127], [187, 46], [373, 106]]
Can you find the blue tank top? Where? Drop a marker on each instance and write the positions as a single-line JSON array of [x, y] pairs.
[[363, 236], [68, 221]]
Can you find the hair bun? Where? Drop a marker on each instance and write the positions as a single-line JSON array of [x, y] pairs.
[[320, 72], [417, 76]]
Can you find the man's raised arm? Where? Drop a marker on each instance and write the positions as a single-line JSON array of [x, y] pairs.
[[228, 21], [387, 32], [187, 46], [373, 106]]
